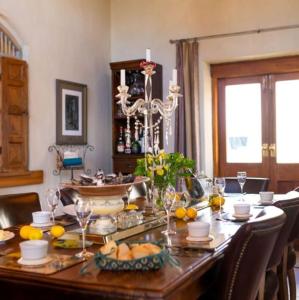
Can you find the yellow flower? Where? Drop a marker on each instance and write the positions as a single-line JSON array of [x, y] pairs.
[[160, 170], [149, 159], [166, 167]]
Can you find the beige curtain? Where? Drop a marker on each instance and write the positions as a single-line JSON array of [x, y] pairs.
[[187, 130]]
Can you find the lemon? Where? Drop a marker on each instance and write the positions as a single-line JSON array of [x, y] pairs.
[[218, 201], [180, 212], [132, 207], [24, 231], [57, 231], [35, 234], [191, 213]]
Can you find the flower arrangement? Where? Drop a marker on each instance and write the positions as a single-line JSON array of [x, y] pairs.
[[164, 168]]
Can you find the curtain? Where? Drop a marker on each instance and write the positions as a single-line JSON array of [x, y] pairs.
[[187, 126]]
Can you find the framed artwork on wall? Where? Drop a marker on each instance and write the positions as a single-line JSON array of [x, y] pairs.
[[71, 113]]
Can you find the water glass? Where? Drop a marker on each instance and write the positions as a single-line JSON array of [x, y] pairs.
[[241, 176], [168, 202], [53, 197], [83, 209], [220, 184]]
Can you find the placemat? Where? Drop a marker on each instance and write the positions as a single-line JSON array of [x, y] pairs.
[[57, 263]]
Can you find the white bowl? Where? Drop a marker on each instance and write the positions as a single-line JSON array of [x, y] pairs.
[[35, 249], [198, 229], [40, 217], [242, 208], [266, 196]]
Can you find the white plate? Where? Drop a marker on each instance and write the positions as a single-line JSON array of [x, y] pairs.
[[265, 202], [42, 224], [242, 217], [200, 239], [7, 236], [34, 262]]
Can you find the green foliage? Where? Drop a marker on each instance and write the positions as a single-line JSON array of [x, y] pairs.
[[164, 168]]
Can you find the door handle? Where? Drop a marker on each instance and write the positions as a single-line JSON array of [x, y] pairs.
[[265, 150], [272, 149]]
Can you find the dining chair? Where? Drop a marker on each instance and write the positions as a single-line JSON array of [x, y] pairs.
[[246, 257], [277, 265], [253, 185], [16, 209]]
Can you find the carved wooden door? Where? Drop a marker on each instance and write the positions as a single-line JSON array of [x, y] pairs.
[[14, 115]]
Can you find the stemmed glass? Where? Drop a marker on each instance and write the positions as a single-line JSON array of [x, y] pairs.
[[53, 197], [168, 202], [220, 184], [241, 176], [83, 209]]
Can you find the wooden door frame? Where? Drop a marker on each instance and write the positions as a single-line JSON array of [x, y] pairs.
[[280, 65]]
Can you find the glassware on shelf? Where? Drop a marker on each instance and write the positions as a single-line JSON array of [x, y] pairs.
[[53, 197], [83, 209], [136, 86], [168, 200], [241, 176]]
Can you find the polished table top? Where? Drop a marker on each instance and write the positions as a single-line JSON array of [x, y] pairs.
[[167, 283]]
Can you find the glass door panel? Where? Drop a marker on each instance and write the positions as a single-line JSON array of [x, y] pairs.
[[287, 115], [243, 123]]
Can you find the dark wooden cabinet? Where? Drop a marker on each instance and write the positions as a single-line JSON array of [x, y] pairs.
[[126, 163]]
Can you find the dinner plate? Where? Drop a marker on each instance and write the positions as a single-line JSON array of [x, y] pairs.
[[7, 236], [242, 217], [34, 262], [200, 239], [42, 224]]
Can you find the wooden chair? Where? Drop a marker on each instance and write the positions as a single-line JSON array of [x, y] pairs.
[[277, 265], [253, 185], [246, 257], [16, 209]]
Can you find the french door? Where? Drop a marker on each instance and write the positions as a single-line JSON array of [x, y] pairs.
[[257, 128]]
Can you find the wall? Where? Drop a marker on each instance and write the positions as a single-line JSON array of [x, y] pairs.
[[151, 24], [69, 40]]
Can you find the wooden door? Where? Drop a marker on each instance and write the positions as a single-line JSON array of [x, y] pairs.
[[283, 139], [243, 126], [14, 98], [257, 126]]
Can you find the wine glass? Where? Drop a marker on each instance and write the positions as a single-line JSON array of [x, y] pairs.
[[241, 176], [220, 184], [83, 209], [53, 197], [168, 202]]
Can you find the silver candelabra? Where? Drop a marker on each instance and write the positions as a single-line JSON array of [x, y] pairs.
[[149, 107]]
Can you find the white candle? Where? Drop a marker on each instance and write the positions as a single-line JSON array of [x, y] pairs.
[[148, 55], [175, 76], [122, 77]]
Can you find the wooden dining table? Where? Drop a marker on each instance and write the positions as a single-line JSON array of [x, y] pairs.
[[189, 279]]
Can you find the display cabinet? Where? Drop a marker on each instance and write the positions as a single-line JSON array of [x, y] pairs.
[[124, 160]]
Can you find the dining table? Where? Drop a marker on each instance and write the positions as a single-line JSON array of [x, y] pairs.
[[189, 278]]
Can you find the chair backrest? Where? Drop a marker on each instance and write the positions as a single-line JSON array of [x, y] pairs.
[[68, 196], [291, 209], [253, 185], [246, 257], [16, 209]]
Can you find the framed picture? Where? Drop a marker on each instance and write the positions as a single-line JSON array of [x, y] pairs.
[[71, 113]]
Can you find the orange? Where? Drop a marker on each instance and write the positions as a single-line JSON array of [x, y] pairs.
[[191, 213], [24, 231], [180, 212]]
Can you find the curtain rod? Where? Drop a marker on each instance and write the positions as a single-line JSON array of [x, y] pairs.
[[221, 35]]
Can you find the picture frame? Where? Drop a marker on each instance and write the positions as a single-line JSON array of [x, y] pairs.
[[71, 113]]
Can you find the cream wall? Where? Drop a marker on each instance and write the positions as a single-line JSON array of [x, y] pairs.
[[69, 40], [140, 24]]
